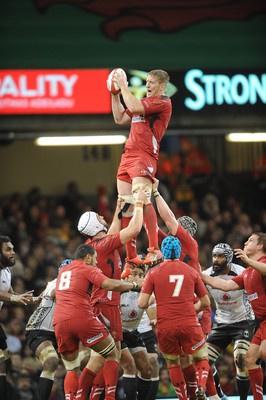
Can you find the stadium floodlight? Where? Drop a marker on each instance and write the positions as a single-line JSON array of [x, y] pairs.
[[80, 140], [246, 137]]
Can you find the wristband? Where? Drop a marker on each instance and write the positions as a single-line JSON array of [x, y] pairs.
[[139, 204], [135, 285], [156, 194], [13, 298]]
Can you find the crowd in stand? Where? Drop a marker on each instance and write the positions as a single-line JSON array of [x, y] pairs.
[[44, 232]]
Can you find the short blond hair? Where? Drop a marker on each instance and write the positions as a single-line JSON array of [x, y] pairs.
[[161, 75]]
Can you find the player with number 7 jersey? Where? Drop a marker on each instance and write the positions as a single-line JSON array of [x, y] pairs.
[[173, 284]]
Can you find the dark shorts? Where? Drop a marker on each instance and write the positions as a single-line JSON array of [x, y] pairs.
[[3, 345], [150, 341], [132, 340], [35, 337], [222, 335]]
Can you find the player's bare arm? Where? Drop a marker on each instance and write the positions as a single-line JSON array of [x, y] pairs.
[[164, 210], [119, 113], [218, 283], [151, 311], [257, 265], [120, 286], [143, 300], [24, 298], [134, 105], [203, 303], [136, 222], [116, 223]]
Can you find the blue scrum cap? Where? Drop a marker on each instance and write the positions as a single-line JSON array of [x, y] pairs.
[[67, 261], [171, 248]]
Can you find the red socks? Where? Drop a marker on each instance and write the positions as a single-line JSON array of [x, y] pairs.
[[256, 382], [110, 373], [202, 368], [178, 381], [98, 386], [85, 383], [71, 383], [150, 223], [190, 375], [210, 384], [131, 246]]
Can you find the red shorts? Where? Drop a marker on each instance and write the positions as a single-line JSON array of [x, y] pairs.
[[69, 333], [260, 334], [180, 339], [133, 166], [111, 317]]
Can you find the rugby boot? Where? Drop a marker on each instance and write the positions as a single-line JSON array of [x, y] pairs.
[[200, 394], [153, 257], [130, 265]]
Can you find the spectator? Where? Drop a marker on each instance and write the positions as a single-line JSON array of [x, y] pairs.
[[166, 388]]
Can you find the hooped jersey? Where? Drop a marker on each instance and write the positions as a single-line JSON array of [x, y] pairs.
[[232, 306], [109, 262], [5, 281], [147, 130], [42, 318]]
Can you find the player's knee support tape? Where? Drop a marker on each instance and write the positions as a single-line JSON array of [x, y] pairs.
[[47, 352], [70, 365], [240, 350], [5, 354], [213, 353], [201, 353]]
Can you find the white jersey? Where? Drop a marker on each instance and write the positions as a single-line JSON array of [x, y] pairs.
[[232, 306], [5, 281], [145, 325], [42, 318], [131, 314]]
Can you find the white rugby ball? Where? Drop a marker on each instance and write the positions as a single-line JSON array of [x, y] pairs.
[[112, 86]]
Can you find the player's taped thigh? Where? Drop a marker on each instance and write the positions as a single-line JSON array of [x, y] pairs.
[[201, 353], [85, 353], [147, 188], [70, 365], [171, 357], [213, 353], [48, 375], [127, 198], [241, 347], [108, 349], [47, 352]]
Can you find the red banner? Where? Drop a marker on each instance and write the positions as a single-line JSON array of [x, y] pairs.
[[75, 91]]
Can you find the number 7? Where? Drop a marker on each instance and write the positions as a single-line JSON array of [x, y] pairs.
[[179, 282]]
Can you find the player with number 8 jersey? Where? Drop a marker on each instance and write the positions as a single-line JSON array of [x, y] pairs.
[[106, 304]]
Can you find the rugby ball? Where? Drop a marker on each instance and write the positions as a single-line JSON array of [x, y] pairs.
[[112, 86]]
